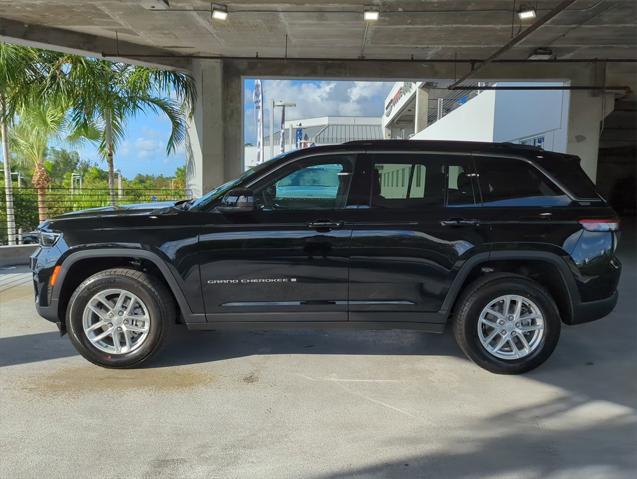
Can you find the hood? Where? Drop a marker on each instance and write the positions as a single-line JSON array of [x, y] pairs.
[[123, 210]]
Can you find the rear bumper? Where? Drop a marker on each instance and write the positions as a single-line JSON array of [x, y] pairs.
[[592, 310]]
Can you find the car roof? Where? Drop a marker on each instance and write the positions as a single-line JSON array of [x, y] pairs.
[[421, 145]]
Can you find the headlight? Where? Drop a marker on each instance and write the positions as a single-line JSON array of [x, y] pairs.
[[48, 238]]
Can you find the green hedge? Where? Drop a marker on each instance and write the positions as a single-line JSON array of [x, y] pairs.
[[61, 200]]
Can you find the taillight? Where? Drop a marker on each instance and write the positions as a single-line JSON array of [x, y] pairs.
[[600, 225]]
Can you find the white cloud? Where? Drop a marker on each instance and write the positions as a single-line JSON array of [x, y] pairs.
[[319, 98], [150, 132], [124, 148], [147, 148]]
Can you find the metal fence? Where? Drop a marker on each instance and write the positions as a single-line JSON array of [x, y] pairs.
[[62, 200]]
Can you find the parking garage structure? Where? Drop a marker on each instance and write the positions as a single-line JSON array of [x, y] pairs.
[[588, 45]]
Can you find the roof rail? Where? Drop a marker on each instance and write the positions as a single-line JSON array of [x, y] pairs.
[[507, 144], [521, 146]]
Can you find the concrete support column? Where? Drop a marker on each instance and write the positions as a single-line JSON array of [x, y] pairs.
[[422, 110], [586, 112], [205, 150], [215, 132], [232, 122]]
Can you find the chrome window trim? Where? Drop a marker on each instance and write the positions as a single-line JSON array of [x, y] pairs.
[[545, 173]]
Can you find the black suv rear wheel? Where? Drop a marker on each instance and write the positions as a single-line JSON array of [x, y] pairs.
[[119, 318], [507, 324]]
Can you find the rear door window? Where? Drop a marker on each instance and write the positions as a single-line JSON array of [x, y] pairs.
[[461, 188], [404, 180], [414, 181], [513, 182]]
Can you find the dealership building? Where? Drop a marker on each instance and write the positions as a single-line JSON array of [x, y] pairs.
[[600, 128], [420, 111], [319, 131]]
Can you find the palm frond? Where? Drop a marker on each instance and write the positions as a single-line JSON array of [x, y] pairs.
[[173, 111], [37, 125], [19, 78]]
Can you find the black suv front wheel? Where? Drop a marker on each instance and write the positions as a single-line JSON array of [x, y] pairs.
[[119, 318], [507, 324]]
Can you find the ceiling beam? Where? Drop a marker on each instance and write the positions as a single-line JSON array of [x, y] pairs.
[[67, 41], [559, 8]]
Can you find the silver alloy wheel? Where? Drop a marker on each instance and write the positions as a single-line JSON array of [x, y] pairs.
[[116, 321], [511, 327]]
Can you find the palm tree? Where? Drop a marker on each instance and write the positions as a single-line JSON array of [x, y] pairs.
[[38, 124], [19, 77], [106, 95]]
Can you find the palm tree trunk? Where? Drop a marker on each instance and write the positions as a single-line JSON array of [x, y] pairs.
[[108, 133], [41, 182], [111, 174], [8, 185], [42, 209]]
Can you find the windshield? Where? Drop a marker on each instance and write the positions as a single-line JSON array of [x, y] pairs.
[[205, 201]]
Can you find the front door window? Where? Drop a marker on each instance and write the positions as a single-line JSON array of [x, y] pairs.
[[311, 185]]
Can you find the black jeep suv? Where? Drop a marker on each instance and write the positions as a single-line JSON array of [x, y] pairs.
[[503, 241]]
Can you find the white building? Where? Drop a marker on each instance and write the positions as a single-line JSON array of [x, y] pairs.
[[536, 117], [325, 130]]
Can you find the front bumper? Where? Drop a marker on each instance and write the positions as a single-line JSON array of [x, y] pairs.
[[42, 263], [49, 312]]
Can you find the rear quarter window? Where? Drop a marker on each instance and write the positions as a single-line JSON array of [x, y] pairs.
[[513, 182], [567, 170]]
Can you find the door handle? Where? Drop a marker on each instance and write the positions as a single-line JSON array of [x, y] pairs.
[[459, 222], [324, 225]]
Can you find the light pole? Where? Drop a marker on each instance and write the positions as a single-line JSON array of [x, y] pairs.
[[120, 190], [273, 105], [76, 182]]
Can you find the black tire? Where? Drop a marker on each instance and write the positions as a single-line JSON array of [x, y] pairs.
[[478, 295], [157, 298]]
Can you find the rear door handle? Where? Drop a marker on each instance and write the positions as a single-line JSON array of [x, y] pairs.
[[459, 222], [325, 225]]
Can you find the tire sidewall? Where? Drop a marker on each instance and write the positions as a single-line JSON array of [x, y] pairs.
[[75, 312], [489, 292]]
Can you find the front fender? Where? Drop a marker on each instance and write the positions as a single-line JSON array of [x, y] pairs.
[[52, 310]]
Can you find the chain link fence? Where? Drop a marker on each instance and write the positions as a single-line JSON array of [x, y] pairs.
[[62, 200]]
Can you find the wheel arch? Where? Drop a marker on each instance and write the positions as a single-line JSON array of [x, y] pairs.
[[94, 260], [548, 268]]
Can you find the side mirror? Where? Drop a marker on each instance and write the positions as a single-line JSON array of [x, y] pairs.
[[237, 200]]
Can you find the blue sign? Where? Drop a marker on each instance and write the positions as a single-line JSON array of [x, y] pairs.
[[299, 137]]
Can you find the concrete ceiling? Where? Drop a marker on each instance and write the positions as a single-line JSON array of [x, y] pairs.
[[429, 29]]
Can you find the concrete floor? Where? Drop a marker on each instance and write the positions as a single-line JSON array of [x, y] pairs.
[[317, 404]]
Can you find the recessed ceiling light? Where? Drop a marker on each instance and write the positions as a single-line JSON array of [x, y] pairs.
[[371, 15], [526, 13], [155, 4], [220, 12], [542, 54]]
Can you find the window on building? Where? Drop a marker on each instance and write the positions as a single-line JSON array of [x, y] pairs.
[[512, 182]]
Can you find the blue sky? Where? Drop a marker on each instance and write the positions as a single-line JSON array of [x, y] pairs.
[[143, 149]]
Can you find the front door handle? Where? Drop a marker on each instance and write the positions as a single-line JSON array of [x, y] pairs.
[[459, 222], [325, 225]]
